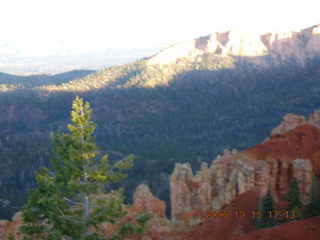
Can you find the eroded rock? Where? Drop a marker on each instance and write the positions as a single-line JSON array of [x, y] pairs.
[[291, 151], [290, 121], [143, 200]]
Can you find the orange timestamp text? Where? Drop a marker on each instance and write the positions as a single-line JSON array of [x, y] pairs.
[[255, 214]]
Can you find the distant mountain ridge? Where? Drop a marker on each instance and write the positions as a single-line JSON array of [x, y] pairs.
[[235, 50], [303, 44]]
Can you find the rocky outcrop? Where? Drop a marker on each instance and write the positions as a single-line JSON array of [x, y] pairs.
[[214, 187], [278, 45], [292, 150], [315, 118], [144, 201], [11, 228], [302, 171], [291, 121], [190, 192], [300, 142]]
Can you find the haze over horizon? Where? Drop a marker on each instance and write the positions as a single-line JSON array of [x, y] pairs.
[[135, 29]]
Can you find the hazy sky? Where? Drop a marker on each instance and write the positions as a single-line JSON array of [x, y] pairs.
[[41, 27]]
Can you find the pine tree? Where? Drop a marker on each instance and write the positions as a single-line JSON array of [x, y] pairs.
[[69, 201], [313, 208], [294, 202], [266, 209]]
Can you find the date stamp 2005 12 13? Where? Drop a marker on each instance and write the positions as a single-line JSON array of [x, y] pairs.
[[240, 214]]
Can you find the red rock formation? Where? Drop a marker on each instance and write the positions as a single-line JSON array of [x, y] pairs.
[[290, 121], [189, 192], [144, 201], [293, 150], [315, 118], [308, 229], [11, 227], [301, 142]]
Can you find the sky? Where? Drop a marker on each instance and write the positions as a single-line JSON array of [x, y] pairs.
[[44, 27]]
